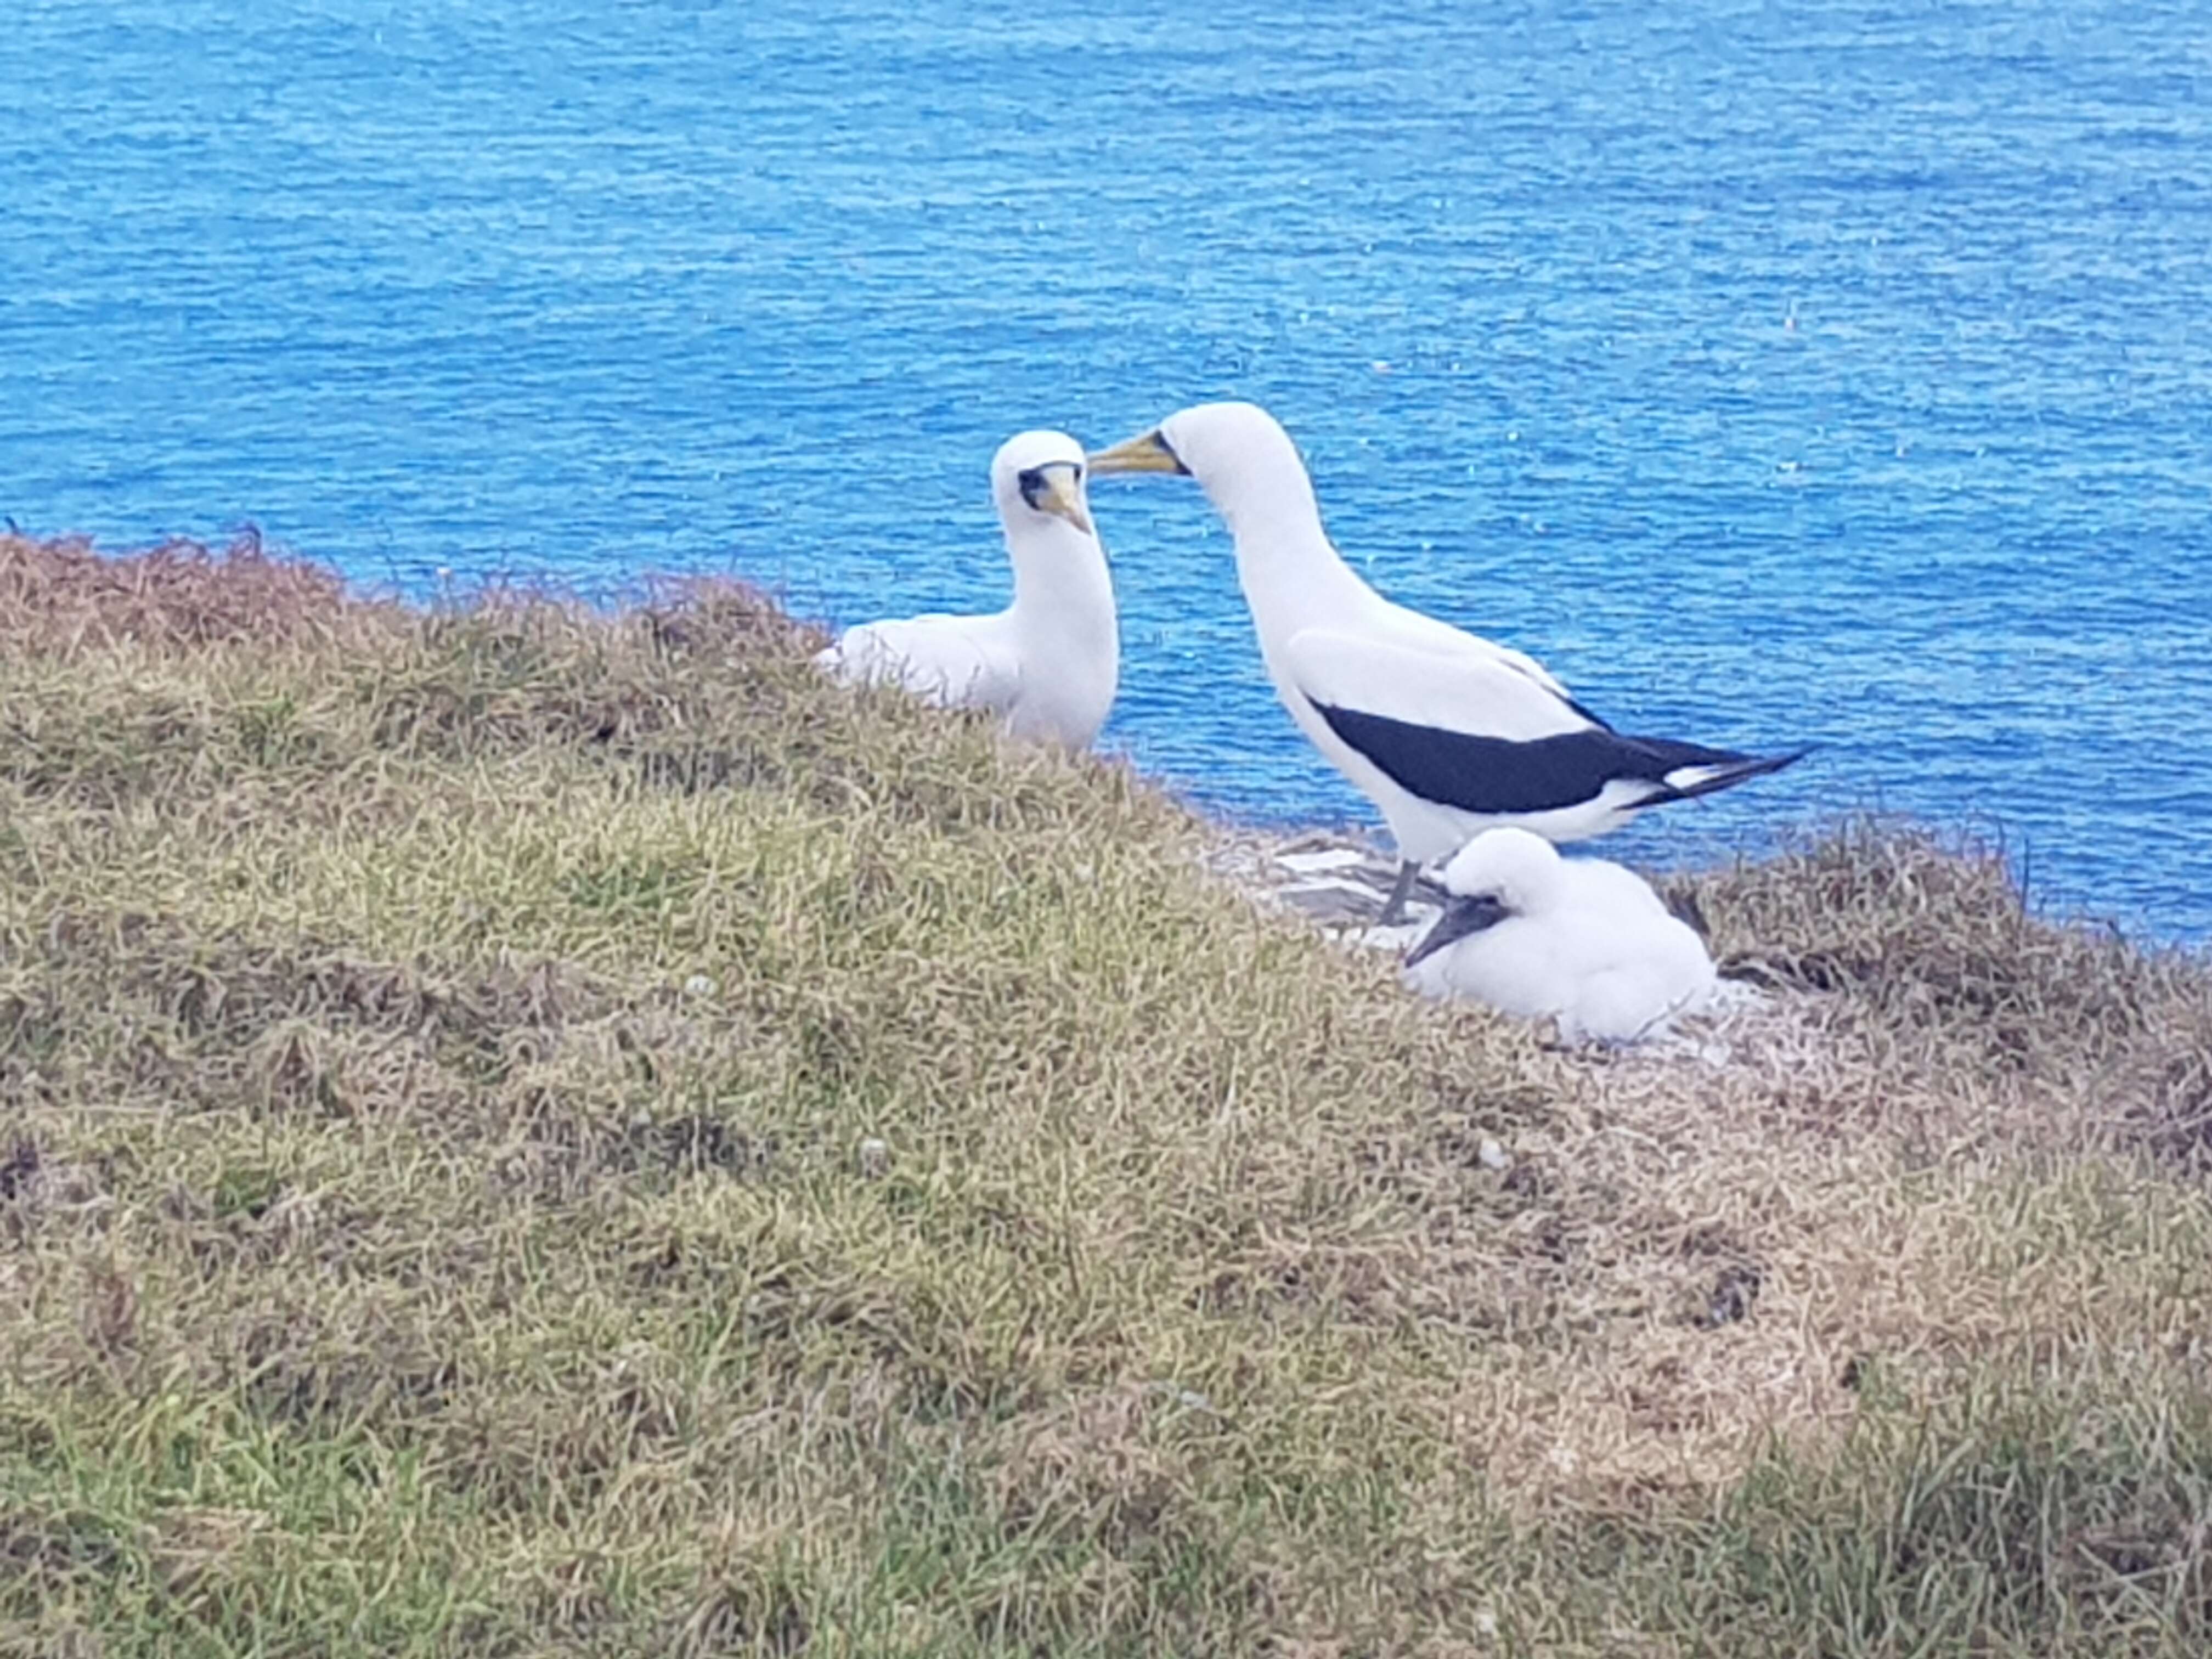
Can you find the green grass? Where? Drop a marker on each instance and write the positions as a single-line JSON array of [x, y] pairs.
[[524, 1130]]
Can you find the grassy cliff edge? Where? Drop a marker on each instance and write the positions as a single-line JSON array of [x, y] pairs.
[[525, 1130]]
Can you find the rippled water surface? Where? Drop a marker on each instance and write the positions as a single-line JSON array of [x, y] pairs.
[[1776, 373]]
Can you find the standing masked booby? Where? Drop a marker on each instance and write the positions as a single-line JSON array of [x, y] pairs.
[[1048, 663], [1447, 733], [1585, 942]]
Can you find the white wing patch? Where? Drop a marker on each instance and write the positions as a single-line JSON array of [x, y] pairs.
[[1470, 691], [1419, 632], [953, 662]]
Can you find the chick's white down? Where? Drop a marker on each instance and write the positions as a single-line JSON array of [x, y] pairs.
[[1580, 940]]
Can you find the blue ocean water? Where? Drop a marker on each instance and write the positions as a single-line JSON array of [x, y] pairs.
[[1834, 371]]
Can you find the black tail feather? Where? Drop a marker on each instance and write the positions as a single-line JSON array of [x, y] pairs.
[[1730, 768]]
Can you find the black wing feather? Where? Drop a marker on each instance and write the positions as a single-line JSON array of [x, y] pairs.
[[1539, 774]]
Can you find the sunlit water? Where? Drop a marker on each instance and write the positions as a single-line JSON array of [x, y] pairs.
[[1776, 372]]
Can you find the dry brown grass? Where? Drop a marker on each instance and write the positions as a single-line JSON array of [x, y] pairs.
[[63, 596], [530, 1131]]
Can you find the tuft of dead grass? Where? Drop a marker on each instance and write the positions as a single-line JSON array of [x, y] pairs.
[[63, 596], [525, 1129], [1939, 937]]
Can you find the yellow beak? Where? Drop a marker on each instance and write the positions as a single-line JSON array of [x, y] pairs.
[[1059, 492], [1147, 452]]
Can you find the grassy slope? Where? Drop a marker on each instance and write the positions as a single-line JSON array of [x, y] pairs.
[[440, 1058]]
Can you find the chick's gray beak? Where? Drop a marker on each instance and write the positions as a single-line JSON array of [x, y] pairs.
[[1460, 917]]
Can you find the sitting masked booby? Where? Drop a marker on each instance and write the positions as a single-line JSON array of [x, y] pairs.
[[1048, 663], [1447, 733], [1586, 942]]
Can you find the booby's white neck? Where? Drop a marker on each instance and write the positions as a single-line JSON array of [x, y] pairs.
[[1060, 575], [1066, 633], [1063, 609], [1290, 573]]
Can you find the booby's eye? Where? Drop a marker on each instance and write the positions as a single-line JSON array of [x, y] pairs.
[[1038, 489], [1055, 487]]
